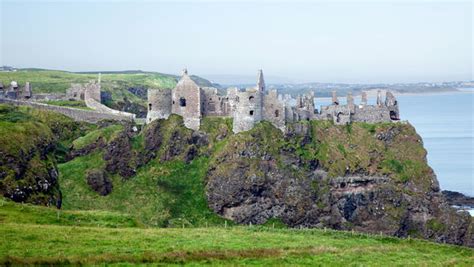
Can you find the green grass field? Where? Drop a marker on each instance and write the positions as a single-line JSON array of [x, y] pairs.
[[55, 81], [40, 235], [116, 83]]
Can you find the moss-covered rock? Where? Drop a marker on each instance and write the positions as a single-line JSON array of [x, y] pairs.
[[31, 143], [365, 177], [371, 178]]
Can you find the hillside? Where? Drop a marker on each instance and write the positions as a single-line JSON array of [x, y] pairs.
[[127, 89], [371, 178], [39, 235]]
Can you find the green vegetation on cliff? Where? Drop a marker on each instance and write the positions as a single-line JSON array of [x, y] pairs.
[[42, 236], [55, 81], [31, 143], [166, 191], [165, 175]]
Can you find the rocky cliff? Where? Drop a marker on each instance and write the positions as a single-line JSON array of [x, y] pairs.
[[365, 177], [31, 143], [369, 178]]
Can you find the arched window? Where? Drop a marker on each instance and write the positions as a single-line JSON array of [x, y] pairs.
[[251, 98], [149, 106], [277, 113], [182, 102], [251, 113]]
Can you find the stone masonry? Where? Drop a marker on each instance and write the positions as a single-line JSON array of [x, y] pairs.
[[252, 105]]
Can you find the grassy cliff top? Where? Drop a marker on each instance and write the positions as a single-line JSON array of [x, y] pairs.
[[39, 235], [55, 81]]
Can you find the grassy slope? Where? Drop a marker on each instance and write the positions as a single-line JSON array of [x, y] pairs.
[[54, 81], [38, 235]]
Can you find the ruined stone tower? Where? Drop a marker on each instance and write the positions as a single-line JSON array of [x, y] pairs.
[[248, 106], [186, 101]]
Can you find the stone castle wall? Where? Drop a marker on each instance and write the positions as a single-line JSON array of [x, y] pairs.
[[213, 104], [371, 114], [274, 110], [90, 116], [248, 110], [250, 106], [159, 104], [92, 100]]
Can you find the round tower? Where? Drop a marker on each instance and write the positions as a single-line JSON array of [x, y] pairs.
[[248, 110], [159, 104]]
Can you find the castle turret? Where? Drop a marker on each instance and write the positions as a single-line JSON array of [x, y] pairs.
[[260, 81], [335, 101], [392, 105], [363, 100], [379, 98], [27, 91], [350, 102]]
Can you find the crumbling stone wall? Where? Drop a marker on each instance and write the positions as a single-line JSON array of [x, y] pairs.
[[75, 92], [248, 110], [159, 104], [274, 110], [249, 106], [213, 104], [304, 109], [74, 113], [371, 114]]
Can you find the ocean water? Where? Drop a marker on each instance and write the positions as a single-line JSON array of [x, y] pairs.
[[445, 122]]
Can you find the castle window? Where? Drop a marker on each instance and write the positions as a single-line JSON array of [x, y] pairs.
[[277, 113], [251, 113], [251, 99], [149, 106], [173, 102], [393, 115], [182, 102], [338, 117]]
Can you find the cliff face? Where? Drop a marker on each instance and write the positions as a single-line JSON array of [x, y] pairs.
[[370, 178], [366, 177], [31, 142]]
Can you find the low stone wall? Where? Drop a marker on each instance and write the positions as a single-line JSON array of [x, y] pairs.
[[91, 116], [92, 103], [46, 97]]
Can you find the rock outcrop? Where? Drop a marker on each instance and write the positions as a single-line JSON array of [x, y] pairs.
[[99, 182], [29, 149], [348, 178]]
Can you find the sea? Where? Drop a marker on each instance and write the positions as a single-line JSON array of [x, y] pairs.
[[445, 123]]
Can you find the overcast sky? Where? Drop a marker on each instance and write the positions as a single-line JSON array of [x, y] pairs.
[[364, 42]]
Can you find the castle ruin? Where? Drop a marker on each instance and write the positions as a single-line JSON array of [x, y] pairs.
[[15, 91], [252, 105]]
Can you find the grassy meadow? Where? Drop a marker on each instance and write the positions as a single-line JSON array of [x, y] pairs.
[[41, 235], [55, 81], [115, 83]]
